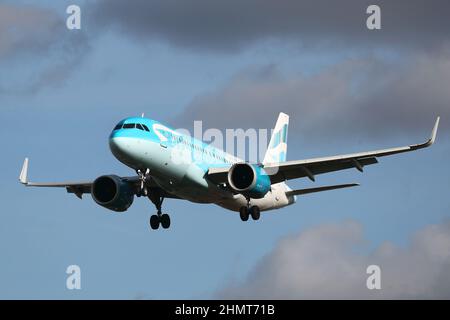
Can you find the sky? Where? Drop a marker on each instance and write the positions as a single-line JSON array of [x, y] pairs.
[[231, 64]]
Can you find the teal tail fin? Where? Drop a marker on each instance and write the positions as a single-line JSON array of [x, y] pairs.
[[277, 149]]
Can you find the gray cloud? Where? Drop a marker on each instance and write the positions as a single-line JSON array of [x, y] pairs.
[[327, 262], [368, 97], [24, 29], [231, 25], [36, 44]]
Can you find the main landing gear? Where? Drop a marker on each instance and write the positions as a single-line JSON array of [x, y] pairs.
[[159, 218], [248, 210]]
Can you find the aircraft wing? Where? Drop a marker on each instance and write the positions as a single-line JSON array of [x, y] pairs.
[[309, 168], [81, 187]]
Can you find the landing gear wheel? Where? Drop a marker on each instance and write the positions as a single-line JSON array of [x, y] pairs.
[[255, 212], [154, 222], [159, 218], [165, 221], [243, 212]]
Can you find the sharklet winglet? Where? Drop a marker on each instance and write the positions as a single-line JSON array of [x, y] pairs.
[[24, 172]]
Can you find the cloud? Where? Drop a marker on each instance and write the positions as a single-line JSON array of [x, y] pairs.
[[369, 97], [327, 262], [25, 28], [229, 26], [36, 49]]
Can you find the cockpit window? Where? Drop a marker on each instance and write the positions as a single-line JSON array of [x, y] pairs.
[[139, 126]]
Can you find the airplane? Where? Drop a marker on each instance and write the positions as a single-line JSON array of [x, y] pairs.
[[207, 174]]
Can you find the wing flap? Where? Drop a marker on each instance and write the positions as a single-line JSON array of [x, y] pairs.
[[320, 189], [218, 175], [309, 169]]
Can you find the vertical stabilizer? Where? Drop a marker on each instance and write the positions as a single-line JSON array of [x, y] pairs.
[[277, 149]]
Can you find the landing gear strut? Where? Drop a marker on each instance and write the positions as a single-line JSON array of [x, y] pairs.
[[143, 176], [246, 211], [159, 218]]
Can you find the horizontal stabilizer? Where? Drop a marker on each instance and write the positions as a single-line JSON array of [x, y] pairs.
[[320, 189]]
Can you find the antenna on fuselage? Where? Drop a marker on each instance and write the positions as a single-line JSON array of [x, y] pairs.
[[142, 115]]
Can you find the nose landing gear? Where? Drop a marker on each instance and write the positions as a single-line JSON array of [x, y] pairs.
[[143, 176]]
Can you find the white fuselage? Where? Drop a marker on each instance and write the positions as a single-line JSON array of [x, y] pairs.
[[185, 176]]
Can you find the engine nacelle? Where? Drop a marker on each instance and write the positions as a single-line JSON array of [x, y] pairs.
[[249, 180], [112, 193]]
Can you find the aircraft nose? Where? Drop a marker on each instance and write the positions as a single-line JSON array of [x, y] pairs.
[[118, 146]]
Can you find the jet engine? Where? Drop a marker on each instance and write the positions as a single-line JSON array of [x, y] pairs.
[[112, 192], [249, 179]]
